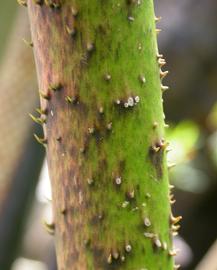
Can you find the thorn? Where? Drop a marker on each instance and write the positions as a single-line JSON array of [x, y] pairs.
[[122, 258], [140, 46], [50, 227], [68, 99], [157, 19], [171, 196], [109, 126], [52, 4], [28, 43], [91, 130], [164, 245], [38, 2], [131, 194], [100, 216], [42, 141], [45, 95], [155, 148], [175, 228], [131, 18], [90, 181], [172, 252], [175, 220], [163, 74], [142, 79], [172, 201], [155, 125], [157, 242], [115, 254], [71, 32], [90, 47], [55, 87], [101, 110], [162, 144], [109, 259], [135, 209], [161, 62], [107, 77], [37, 120], [41, 111], [82, 150], [74, 11], [158, 31], [164, 88], [171, 165], [171, 187], [63, 211], [22, 2], [148, 195], [87, 242], [159, 55], [74, 100], [56, 5], [59, 138], [125, 204], [166, 125]]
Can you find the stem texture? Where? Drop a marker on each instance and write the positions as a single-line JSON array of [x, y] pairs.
[[99, 77]]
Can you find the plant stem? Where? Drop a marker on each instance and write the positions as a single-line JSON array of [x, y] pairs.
[[99, 73]]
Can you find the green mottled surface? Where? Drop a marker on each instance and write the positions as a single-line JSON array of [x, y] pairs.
[[102, 214]]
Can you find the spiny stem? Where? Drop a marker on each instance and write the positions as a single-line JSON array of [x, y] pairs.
[[106, 150]]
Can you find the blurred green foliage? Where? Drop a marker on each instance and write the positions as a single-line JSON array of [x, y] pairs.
[[185, 142], [183, 139]]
